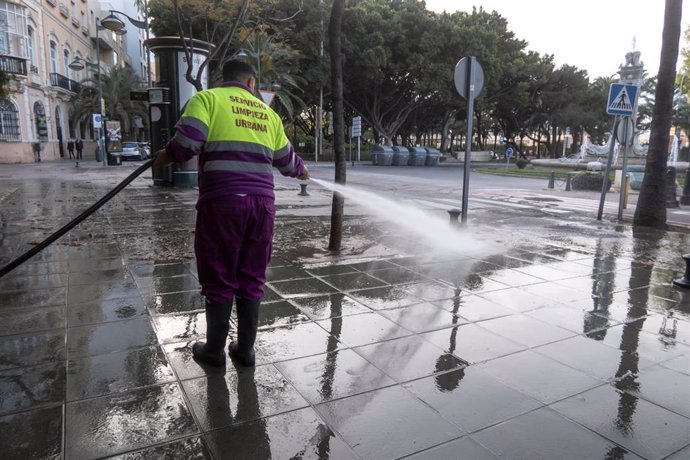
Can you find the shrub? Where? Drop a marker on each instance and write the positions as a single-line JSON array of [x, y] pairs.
[[521, 163], [589, 181]]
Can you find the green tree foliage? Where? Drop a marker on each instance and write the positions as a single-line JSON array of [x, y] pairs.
[[384, 61], [116, 85], [398, 68], [277, 65], [304, 33], [201, 19], [4, 81]]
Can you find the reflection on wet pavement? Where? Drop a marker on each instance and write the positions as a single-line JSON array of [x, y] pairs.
[[566, 344]]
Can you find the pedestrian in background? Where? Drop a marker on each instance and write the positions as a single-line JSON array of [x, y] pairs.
[[239, 140], [70, 148], [79, 145]]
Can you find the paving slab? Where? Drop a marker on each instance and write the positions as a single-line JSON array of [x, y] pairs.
[[564, 337]]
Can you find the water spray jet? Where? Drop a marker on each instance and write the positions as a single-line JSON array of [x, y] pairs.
[[430, 229]]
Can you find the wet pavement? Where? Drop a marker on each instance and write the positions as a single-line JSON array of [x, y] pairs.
[[566, 340]]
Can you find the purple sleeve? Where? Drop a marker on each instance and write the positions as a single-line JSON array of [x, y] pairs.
[[186, 143], [288, 162]]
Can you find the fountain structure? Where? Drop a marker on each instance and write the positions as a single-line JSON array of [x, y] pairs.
[[590, 155]]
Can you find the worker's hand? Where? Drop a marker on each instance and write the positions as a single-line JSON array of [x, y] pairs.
[[161, 159], [304, 175]]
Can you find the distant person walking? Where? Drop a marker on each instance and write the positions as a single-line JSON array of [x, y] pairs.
[[70, 148], [79, 146]]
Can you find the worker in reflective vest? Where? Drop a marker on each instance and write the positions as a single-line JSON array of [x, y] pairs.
[[239, 140]]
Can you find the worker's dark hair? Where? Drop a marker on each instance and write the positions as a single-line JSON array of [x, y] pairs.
[[236, 70]]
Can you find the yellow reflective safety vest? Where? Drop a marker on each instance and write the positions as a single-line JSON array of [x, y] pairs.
[[239, 140]]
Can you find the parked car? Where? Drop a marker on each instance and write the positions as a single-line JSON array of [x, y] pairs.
[[146, 147], [132, 151]]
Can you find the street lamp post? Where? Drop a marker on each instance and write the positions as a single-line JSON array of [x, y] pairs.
[[79, 64], [115, 24]]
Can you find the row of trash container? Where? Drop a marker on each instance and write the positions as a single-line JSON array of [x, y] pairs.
[[385, 155]]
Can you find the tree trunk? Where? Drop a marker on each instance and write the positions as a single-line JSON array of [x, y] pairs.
[[575, 146], [337, 210], [651, 204], [448, 119], [553, 145]]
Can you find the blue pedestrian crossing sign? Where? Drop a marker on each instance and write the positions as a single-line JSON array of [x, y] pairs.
[[622, 99]]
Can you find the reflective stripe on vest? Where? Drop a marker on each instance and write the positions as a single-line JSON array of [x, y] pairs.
[[187, 143], [237, 146], [194, 123], [238, 166]]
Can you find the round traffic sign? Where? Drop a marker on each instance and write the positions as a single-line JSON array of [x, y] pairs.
[[461, 76], [509, 152], [622, 136]]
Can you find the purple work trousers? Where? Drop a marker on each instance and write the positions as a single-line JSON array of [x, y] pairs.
[[233, 245]]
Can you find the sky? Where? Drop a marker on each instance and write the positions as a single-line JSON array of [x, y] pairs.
[[593, 35]]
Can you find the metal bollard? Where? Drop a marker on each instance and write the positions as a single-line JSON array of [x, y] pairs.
[[685, 281], [552, 180], [568, 182], [304, 190], [685, 199], [454, 215]]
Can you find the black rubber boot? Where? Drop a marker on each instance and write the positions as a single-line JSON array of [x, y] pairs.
[[212, 352], [242, 351]]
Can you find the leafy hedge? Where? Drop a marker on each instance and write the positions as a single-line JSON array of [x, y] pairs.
[[589, 181]]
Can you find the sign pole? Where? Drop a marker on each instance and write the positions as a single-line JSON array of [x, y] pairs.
[[609, 161], [468, 144], [469, 81], [350, 132], [624, 179]]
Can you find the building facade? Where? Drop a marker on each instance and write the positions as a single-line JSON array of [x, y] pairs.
[[38, 41]]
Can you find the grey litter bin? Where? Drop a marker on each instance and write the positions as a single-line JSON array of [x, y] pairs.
[[432, 156], [114, 159], [636, 174], [417, 156], [382, 155], [400, 156]]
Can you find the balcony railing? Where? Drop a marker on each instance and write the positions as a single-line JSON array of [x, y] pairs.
[[13, 65], [75, 21], [34, 69], [63, 82], [85, 30], [52, 2], [63, 10]]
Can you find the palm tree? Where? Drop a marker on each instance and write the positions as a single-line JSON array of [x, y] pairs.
[[277, 68], [651, 204], [116, 84]]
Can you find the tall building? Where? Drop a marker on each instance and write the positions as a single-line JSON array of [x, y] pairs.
[[38, 41], [135, 38]]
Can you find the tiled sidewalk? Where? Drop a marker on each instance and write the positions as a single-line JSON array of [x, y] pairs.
[[571, 344]]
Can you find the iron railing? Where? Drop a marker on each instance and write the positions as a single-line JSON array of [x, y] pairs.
[[63, 82], [13, 65]]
